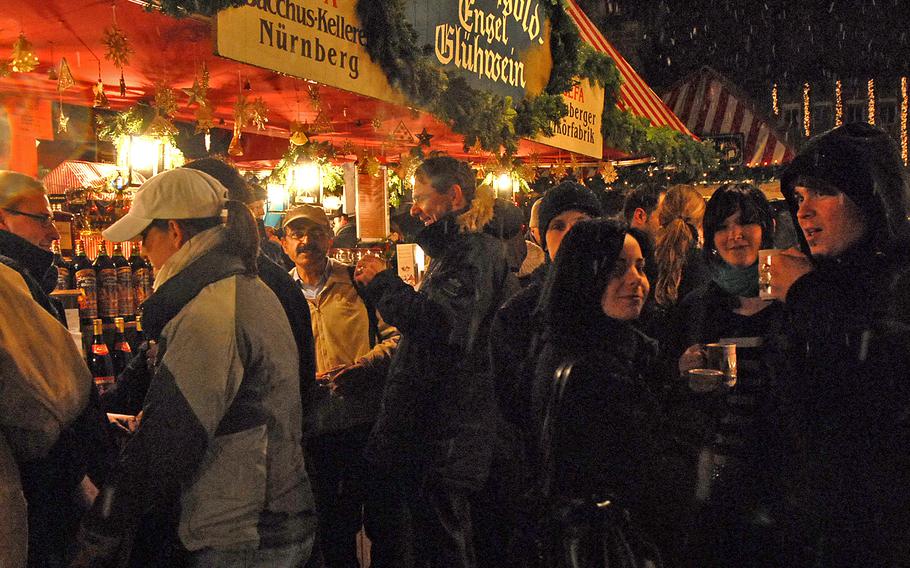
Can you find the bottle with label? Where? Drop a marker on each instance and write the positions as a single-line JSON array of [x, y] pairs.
[[107, 285], [64, 269], [99, 360], [126, 302], [139, 337], [122, 352], [85, 279], [151, 269], [141, 278]]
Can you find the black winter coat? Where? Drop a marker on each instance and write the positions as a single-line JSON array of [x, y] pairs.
[[613, 436], [437, 416]]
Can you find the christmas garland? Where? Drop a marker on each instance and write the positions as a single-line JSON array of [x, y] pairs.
[[491, 120], [319, 152], [183, 8]]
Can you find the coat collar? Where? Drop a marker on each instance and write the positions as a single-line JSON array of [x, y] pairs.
[[34, 259]]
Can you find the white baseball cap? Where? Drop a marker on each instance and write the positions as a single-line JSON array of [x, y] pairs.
[[181, 193]]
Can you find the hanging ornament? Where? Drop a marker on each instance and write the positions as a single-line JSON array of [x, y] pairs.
[[23, 59], [259, 113], [774, 100], [608, 172], [322, 124], [871, 91], [298, 133], [62, 120], [558, 171], [904, 119], [402, 134], [838, 104], [376, 123], [64, 77], [208, 141], [52, 70], [423, 139], [371, 165], [4, 69], [807, 118], [236, 148], [122, 85], [165, 99], [205, 119], [118, 46], [100, 98], [347, 148]]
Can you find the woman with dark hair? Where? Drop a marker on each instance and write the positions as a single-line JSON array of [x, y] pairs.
[[734, 491], [605, 435]]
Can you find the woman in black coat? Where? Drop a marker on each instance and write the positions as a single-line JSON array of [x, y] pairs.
[[740, 518], [605, 432]]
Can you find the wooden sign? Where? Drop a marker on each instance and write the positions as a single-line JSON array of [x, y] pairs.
[[372, 206], [579, 131]]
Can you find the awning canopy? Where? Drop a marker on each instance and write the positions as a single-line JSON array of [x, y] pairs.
[[75, 174], [711, 105], [635, 95]]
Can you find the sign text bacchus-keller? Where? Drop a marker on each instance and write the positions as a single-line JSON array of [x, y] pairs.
[[501, 46], [319, 40]]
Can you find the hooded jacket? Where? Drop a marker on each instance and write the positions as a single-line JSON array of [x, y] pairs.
[[847, 399], [41, 395], [438, 411], [221, 424]]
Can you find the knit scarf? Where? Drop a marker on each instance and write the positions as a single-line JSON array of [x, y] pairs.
[[742, 282]]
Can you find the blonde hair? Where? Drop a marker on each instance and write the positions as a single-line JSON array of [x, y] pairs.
[[680, 217], [16, 187]]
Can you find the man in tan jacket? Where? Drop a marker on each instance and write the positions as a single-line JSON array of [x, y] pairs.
[[44, 384], [353, 349]]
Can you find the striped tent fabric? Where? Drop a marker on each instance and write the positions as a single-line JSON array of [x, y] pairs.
[[75, 174], [710, 104], [635, 95]]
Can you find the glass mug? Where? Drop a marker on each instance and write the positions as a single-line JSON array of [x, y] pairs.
[[722, 357]]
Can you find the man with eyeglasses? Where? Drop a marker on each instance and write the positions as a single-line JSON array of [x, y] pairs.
[[56, 488], [353, 349]]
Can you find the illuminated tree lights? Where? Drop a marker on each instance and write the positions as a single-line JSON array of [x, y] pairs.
[[838, 104], [871, 90], [774, 100], [807, 118]]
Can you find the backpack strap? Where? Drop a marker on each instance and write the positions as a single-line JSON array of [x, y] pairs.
[[551, 416]]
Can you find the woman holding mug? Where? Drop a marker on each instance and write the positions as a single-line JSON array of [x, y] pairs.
[[732, 527]]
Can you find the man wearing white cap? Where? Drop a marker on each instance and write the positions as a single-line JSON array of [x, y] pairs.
[[221, 422]]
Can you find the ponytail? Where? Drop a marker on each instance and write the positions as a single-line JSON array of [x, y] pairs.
[[242, 234], [671, 253]]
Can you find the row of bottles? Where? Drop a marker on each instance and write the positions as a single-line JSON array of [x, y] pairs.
[[107, 362], [112, 286]]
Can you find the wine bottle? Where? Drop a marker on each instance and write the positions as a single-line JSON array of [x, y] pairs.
[[141, 277], [126, 303], [99, 359], [64, 269], [107, 285], [139, 337], [85, 279], [122, 352]]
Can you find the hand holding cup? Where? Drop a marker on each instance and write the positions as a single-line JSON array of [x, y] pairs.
[[367, 268]]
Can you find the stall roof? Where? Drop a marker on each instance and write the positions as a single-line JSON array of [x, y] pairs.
[[171, 51], [635, 95], [72, 174], [712, 105]]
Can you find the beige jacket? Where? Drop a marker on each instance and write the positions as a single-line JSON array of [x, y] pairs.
[[44, 385], [341, 334]]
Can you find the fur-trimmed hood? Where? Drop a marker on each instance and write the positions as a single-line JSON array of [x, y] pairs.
[[436, 237]]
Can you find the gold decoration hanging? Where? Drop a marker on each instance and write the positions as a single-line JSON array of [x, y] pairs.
[[199, 92], [255, 112], [558, 171], [608, 172], [4, 69], [62, 121], [321, 124], [205, 119], [165, 100], [160, 127], [65, 76], [298, 133], [371, 165], [118, 47], [236, 148], [24, 58], [100, 98], [347, 148], [402, 134]]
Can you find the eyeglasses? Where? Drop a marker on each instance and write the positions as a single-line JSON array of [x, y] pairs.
[[43, 218], [315, 233]]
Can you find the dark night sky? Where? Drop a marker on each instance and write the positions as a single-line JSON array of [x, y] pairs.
[[759, 42]]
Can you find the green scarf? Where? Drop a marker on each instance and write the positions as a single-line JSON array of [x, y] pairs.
[[742, 282]]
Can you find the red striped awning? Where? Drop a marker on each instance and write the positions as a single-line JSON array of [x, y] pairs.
[[635, 95], [76, 174], [711, 105]]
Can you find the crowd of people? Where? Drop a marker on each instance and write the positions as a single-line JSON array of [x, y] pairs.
[[538, 404]]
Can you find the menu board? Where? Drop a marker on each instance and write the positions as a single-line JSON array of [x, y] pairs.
[[372, 206]]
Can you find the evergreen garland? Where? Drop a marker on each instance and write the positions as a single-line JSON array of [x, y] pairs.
[[183, 8]]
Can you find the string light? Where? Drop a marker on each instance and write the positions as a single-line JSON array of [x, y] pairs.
[[807, 118], [872, 102], [838, 104], [904, 119], [774, 100]]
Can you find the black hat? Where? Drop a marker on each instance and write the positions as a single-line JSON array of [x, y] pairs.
[[567, 196]]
